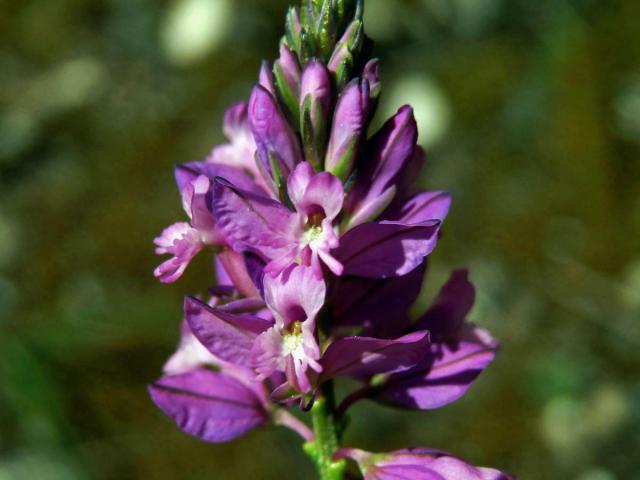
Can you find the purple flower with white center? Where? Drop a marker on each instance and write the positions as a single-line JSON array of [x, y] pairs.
[[279, 236], [418, 464], [320, 244], [294, 297]]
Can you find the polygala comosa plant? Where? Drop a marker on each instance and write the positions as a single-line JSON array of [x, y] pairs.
[[321, 243]]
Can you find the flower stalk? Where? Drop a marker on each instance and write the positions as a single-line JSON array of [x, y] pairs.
[[327, 430]]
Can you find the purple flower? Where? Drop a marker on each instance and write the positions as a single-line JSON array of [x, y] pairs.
[[459, 352], [257, 224], [294, 297], [418, 464], [184, 240]]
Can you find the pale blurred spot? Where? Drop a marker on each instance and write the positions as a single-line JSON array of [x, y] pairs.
[[379, 23], [194, 28], [42, 465], [468, 17], [607, 410], [430, 105], [597, 474], [70, 85], [627, 108], [562, 425]]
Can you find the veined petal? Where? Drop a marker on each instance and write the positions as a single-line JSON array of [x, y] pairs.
[[418, 464], [387, 153], [209, 405], [385, 249], [363, 356], [446, 315], [379, 306], [424, 207], [228, 336], [449, 372], [254, 223]]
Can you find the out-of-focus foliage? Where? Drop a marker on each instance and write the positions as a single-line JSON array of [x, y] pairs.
[[531, 114]]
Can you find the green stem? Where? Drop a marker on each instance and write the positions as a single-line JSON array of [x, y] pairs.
[[327, 436]]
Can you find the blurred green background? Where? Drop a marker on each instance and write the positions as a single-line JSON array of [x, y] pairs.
[[530, 112]]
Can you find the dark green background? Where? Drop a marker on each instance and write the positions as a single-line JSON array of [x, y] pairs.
[[531, 115]]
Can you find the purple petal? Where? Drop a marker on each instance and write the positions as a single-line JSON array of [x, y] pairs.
[[182, 242], [209, 405], [380, 306], [191, 354], [296, 294], [227, 336], [313, 193], [386, 249], [387, 154], [427, 464], [363, 356], [186, 173], [266, 78], [449, 373], [235, 268], [273, 136], [255, 223], [446, 315], [424, 207]]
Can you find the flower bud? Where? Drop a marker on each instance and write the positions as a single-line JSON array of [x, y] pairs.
[[287, 74], [371, 74], [266, 78], [349, 121], [343, 58], [278, 149], [315, 102], [293, 29]]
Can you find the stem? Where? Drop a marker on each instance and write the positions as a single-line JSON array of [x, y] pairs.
[[327, 438]]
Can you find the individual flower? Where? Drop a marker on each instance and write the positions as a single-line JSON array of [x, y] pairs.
[[294, 297], [281, 237], [418, 464]]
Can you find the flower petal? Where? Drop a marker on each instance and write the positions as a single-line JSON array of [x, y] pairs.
[[448, 374], [363, 356], [254, 223], [379, 306], [425, 464], [209, 405], [296, 294], [386, 249], [386, 153], [228, 336]]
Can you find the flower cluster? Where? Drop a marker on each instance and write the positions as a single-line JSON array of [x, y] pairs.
[[320, 249]]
